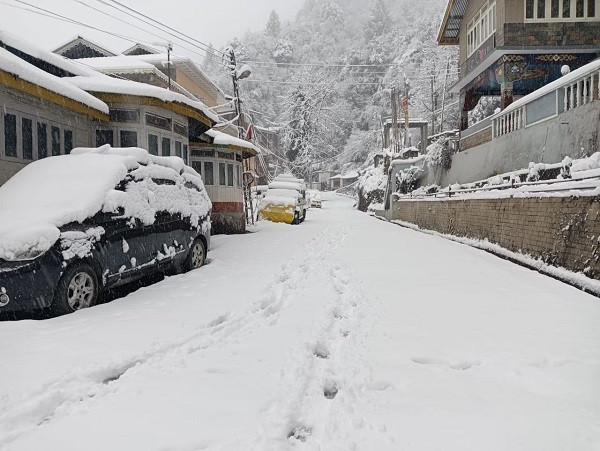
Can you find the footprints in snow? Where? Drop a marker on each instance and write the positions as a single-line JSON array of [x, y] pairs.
[[328, 350], [457, 366]]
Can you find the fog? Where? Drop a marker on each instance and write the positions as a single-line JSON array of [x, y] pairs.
[[206, 21]]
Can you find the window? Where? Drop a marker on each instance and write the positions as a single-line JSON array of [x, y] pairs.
[[55, 135], [238, 179], [222, 172], [119, 115], [10, 135], [481, 27], [153, 144], [42, 139], [158, 121], [104, 137], [185, 153], [27, 138], [180, 129], [128, 138], [178, 149], [560, 10], [230, 175], [197, 166], [68, 141], [166, 147], [209, 175]]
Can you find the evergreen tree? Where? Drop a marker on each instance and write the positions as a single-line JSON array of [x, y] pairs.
[[380, 21], [274, 25]]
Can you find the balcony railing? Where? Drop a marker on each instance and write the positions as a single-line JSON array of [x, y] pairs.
[[574, 90]]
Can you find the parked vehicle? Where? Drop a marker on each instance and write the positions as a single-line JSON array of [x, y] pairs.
[[285, 200], [315, 199], [103, 217]]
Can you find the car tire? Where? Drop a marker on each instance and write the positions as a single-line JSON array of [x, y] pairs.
[[196, 256], [296, 219], [303, 216], [77, 289]]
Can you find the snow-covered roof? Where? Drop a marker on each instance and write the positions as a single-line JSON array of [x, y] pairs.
[[350, 175], [100, 83], [33, 50], [587, 69], [119, 62], [186, 65], [223, 139], [25, 71], [139, 46]]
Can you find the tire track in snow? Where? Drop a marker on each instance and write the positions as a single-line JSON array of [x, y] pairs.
[[60, 397]]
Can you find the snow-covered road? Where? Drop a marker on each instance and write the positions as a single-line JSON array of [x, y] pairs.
[[345, 332]]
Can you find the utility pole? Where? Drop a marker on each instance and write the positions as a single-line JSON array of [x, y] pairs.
[[432, 102], [236, 92], [444, 95], [169, 50]]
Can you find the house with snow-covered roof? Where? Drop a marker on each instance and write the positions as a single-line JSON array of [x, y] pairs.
[[102, 109], [43, 114]]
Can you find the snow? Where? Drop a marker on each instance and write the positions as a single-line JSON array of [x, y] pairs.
[[279, 196], [86, 186], [21, 69], [35, 202], [223, 139], [103, 83], [31, 49], [120, 62], [347, 332]]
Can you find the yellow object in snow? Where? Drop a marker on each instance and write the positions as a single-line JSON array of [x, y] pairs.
[[278, 213]]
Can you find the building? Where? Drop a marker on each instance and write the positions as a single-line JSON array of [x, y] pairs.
[[220, 161], [42, 113], [342, 181], [417, 134], [53, 104], [510, 48], [219, 156]]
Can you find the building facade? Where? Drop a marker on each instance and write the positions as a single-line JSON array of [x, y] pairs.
[[510, 48]]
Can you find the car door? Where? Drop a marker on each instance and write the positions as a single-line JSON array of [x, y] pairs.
[[126, 250]]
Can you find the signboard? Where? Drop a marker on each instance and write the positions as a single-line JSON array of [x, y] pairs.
[[405, 104]]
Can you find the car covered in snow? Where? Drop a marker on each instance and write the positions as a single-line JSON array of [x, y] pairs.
[[315, 199], [75, 225], [285, 200]]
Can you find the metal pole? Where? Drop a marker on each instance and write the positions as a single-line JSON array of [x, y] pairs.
[[444, 96], [169, 48], [236, 93]]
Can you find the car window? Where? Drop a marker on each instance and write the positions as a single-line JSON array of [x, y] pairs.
[[163, 182]]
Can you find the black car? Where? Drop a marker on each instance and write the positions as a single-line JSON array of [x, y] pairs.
[[155, 218]]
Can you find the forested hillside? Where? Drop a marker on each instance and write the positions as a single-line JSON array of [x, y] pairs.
[[325, 79]]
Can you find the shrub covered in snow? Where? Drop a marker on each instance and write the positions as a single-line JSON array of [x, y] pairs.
[[371, 187]]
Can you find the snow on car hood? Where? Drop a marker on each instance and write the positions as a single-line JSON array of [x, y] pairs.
[[52, 192]]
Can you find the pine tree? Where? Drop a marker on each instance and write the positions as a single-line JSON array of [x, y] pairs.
[[274, 25], [379, 22]]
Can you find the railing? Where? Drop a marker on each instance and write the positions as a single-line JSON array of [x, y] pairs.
[[579, 88], [475, 128], [555, 187]]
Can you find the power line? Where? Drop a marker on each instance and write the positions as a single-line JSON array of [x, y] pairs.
[[133, 25], [122, 5]]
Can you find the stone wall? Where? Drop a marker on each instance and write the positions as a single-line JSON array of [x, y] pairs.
[[562, 231], [476, 139], [549, 34]]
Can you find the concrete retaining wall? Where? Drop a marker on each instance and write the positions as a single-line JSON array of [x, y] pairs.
[[562, 231], [574, 133]]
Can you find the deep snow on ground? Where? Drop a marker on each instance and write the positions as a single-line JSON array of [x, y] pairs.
[[344, 332]]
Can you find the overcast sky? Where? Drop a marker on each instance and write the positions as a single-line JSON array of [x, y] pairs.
[[208, 21]]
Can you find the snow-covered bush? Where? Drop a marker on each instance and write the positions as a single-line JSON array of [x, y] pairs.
[[371, 187], [439, 155]]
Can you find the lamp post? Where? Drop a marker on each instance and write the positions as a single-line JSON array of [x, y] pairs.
[[169, 47]]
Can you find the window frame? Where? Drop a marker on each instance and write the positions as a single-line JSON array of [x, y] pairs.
[[481, 27], [560, 18], [125, 130], [15, 133]]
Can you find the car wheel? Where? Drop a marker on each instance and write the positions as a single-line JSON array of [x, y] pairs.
[[303, 216], [296, 219], [77, 289], [196, 256]]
